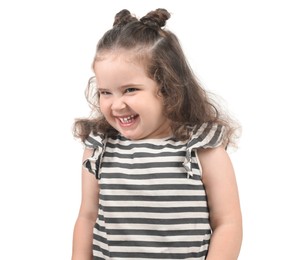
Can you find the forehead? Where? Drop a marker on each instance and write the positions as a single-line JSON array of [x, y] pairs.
[[118, 68]]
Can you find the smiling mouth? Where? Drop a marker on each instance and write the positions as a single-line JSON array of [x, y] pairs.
[[127, 119]]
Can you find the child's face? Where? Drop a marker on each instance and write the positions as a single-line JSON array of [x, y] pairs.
[[129, 99]]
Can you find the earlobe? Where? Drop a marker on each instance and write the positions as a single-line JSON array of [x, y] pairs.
[[159, 93], [162, 92]]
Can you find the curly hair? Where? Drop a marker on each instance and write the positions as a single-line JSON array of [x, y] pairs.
[[186, 103]]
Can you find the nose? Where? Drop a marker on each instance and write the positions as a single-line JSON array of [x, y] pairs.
[[118, 104]]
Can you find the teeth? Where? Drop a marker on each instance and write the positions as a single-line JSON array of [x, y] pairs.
[[126, 119]]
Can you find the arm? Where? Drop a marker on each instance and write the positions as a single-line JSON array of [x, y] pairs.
[[223, 200], [83, 231]]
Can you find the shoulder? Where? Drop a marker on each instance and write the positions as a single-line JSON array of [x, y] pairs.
[[94, 140], [208, 135], [93, 153], [213, 155]]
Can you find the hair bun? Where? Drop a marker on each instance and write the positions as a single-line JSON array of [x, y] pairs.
[[123, 17], [156, 19]]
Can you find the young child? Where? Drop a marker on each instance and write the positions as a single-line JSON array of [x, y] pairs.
[[162, 185]]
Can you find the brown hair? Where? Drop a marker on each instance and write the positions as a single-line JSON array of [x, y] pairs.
[[186, 104]]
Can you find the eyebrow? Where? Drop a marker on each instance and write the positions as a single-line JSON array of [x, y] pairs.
[[123, 86]]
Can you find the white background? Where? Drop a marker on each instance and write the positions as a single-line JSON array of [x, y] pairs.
[[248, 52]]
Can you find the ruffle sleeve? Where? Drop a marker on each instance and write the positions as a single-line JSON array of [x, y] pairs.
[[93, 163], [207, 136]]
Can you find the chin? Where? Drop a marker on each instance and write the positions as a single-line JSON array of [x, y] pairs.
[[134, 137], [129, 136]]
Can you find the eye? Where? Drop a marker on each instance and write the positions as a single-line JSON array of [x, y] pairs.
[[103, 92], [129, 90]]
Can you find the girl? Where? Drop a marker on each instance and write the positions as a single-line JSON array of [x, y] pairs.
[[162, 185]]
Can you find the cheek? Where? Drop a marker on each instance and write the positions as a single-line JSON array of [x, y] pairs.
[[159, 101], [156, 106], [104, 106]]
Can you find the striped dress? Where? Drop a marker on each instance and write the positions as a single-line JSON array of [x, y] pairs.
[[152, 202]]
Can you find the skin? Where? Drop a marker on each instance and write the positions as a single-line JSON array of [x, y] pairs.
[[130, 102], [83, 231], [219, 180]]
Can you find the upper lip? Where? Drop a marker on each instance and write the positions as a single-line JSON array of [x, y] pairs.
[[125, 116]]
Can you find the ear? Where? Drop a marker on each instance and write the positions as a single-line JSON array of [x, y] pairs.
[[159, 92]]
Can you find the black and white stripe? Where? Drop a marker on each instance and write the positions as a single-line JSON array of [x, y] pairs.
[[148, 208]]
